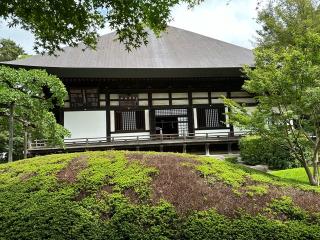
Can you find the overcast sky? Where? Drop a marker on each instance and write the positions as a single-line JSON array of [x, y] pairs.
[[234, 23]]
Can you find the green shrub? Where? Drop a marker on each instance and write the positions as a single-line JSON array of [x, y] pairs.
[[210, 225], [256, 150], [286, 207]]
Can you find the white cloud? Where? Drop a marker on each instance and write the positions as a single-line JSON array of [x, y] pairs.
[[233, 22]]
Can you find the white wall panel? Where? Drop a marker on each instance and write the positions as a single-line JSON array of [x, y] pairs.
[[143, 95], [200, 94], [114, 96], [179, 95], [218, 94], [143, 103], [160, 95], [180, 102], [217, 101], [212, 132], [160, 102], [86, 124], [200, 101], [130, 136]]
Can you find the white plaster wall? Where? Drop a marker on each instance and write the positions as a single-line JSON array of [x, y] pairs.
[[86, 124], [212, 132]]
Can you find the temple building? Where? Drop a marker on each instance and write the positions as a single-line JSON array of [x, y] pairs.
[[172, 86]]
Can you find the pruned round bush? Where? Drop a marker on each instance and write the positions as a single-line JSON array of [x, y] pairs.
[[256, 150]]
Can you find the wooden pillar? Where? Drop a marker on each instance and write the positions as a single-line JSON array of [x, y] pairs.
[[152, 123], [229, 148], [190, 114], [231, 126], [108, 115], [184, 148], [207, 145], [161, 148]]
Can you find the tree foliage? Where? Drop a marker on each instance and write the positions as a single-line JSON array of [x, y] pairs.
[[69, 22], [286, 80], [34, 94], [9, 50]]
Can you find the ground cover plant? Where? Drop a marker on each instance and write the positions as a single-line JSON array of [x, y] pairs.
[[138, 195]]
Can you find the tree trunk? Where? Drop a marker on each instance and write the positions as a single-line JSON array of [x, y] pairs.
[[312, 181], [10, 153], [316, 168]]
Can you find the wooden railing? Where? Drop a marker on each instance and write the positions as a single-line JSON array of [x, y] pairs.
[[140, 139]]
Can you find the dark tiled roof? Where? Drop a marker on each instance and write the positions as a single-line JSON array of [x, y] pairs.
[[176, 48]]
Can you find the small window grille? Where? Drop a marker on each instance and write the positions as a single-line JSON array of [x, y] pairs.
[[211, 117], [129, 120]]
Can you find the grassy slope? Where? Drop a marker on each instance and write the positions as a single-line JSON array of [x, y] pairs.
[[296, 174], [92, 194]]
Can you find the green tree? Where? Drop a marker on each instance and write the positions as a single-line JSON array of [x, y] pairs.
[[56, 23], [286, 81], [9, 50], [27, 100]]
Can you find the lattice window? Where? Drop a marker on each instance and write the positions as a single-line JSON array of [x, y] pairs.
[[171, 112], [183, 126], [129, 120], [211, 117]]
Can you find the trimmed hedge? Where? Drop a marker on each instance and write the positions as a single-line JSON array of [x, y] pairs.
[[255, 150], [210, 225]]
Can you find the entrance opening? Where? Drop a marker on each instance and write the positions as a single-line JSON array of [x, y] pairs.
[[168, 125], [171, 121]]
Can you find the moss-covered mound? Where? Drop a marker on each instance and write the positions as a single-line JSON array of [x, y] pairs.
[[135, 195]]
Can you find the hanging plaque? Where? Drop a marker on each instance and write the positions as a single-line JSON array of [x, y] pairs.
[[128, 100]]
